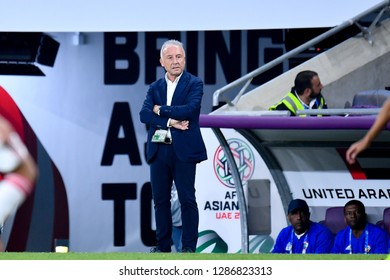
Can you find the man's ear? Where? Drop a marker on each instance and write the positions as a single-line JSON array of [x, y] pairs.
[[161, 62]]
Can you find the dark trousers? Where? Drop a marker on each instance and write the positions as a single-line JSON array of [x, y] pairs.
[[164, 169]]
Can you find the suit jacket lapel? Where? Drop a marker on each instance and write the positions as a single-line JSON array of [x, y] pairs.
[[183, 82], [163, 92]]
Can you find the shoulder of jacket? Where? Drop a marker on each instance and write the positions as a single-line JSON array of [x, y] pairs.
[[158, 82], [190, 76]]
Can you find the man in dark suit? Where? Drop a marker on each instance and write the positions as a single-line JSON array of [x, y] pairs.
[[174, 145]]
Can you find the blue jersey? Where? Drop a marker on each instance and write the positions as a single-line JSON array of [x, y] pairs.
[[317, 240], [373, 240]]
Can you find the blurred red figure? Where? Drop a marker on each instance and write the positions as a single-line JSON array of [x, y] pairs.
[[19, 169]]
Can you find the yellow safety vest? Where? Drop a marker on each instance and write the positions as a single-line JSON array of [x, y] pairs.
[[292, 102]]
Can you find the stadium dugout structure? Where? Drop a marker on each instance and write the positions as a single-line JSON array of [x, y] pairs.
[[267, 132]]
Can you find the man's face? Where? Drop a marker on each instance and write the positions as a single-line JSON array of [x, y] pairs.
[[300, 220], [173, 60], [316, 87], [354, 217]]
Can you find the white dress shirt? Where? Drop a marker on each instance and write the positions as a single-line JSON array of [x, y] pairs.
[[171, 86]]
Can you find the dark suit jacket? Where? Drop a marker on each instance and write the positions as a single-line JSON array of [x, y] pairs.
[[186, 103]]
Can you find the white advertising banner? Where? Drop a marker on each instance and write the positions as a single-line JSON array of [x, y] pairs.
[[220, 226]]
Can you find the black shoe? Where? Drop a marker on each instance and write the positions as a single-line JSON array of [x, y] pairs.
[[158, 250], [187, 250], [155, 250]]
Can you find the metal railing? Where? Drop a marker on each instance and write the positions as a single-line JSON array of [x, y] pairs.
[[247, 79], [264, 113], [340, 112]]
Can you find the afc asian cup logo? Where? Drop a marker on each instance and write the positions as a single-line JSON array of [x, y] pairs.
[[243, 157]]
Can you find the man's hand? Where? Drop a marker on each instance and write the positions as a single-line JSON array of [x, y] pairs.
[[354, 150], [182, 125], [156, 109]]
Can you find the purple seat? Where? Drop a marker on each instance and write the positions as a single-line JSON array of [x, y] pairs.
[[385, 222], [334, 219], [370, 98]]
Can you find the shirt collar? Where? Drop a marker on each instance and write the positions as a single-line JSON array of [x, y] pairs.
[[176, 81], [304, 104], [300, 235]]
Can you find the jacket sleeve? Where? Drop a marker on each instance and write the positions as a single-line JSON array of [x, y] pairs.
[[324, 242], [147, 116], [190, 105], [280, 244], [381, 242]]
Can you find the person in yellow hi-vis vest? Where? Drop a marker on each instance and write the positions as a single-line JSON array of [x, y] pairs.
[[305, 94]]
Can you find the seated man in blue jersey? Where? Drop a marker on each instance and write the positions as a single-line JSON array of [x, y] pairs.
[[360, 236], [303, 236], [306, 94]]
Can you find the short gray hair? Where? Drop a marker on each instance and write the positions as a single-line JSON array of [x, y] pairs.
[[170, 43]]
